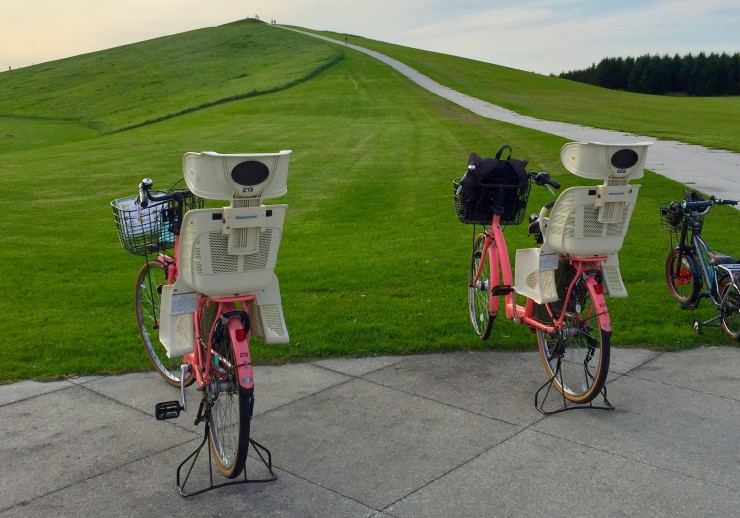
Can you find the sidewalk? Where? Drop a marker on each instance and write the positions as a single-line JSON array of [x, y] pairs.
[[453, 435]]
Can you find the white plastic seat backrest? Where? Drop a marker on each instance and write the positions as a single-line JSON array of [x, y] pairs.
[[613, 163], [574, 227], [230, 251], [593, 221], [236, 177]]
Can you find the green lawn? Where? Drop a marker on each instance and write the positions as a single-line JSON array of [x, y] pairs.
[[373, 260]]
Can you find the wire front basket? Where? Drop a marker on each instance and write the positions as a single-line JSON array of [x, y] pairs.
[[478, 208], [671, 216], [144, 231]]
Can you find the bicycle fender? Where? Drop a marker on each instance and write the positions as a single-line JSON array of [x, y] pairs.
[[241, 352], [605, 322]]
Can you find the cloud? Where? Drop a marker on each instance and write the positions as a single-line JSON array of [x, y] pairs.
[[552, 36], [538, 35]]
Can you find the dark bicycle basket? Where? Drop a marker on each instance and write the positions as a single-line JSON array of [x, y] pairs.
[[143, 231], [478, 207], [671, 216]]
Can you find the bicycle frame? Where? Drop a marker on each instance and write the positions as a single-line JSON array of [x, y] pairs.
[[708, 270], [496, 252], [699, 248], [200, 360]]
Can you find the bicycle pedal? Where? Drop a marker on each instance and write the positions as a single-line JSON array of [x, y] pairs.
[[168, 410], [501, 290]]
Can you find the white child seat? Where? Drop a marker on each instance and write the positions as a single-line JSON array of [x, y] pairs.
[[586, 221], [236, 178], [219, 259], [232, 251]]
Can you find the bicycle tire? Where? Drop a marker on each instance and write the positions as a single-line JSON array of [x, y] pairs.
[[582, 349], [685, 287], [478, 295], [730, 308], [147, 298], [231, 409]]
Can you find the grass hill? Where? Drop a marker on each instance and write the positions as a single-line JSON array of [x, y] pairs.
[[373, 260], [132, 85]]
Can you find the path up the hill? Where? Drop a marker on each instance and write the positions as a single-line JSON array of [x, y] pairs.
[[715, 172]]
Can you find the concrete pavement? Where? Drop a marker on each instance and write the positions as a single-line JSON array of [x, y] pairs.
[[452, 435]]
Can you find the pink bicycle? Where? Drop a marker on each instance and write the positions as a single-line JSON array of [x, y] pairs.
[[196, 311], [564, 280]]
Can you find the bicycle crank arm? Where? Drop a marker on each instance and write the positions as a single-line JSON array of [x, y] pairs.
[[183, 371]]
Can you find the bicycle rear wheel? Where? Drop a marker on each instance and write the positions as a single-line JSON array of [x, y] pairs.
[[686, 284], [730, 308], [577, 358], [147, 298], [478, 294], [231, 408]]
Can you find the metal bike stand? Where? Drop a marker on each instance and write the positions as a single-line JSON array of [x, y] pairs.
[[699, 325], [204, 413], [567, 405]]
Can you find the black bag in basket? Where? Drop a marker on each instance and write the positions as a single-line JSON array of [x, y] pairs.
[[493, 185]]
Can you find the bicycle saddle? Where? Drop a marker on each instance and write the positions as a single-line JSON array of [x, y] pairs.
[[716, 258]]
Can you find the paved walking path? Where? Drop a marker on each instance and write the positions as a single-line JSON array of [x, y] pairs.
[[453, 435], [710, 171]]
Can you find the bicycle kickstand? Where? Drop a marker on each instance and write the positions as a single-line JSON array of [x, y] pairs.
[[566, 404], [264, 454]]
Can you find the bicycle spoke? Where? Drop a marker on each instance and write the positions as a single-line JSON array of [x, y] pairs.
[[577, 357]]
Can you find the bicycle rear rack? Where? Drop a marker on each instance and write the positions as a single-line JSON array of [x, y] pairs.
[[264, 454]]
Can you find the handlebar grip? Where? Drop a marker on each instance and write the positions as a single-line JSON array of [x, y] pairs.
[[144, 187], [727, 202], [697, 204], [542, 178]]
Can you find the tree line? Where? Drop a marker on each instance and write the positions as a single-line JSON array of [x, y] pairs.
[[701, 75]]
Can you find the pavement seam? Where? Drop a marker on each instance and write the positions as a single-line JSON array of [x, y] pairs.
[[680, 387], [93, 477], [143, 412], [629, 374], [484, 452], [25, 399], [336, 492], [638, 461], [362, 378], [455, 468], [445, 403], [351, 378]]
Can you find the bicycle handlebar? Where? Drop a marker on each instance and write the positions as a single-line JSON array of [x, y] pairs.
[[542, 178], [145, 197], [698, 205], [144, 187]]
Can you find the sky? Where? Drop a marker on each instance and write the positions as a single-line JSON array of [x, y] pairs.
[[544, 36]]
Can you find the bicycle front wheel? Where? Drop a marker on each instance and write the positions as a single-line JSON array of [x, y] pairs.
[[148, 298], [577, 357], [480, 290], [684, 281], [730, 308], [231, 409]]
